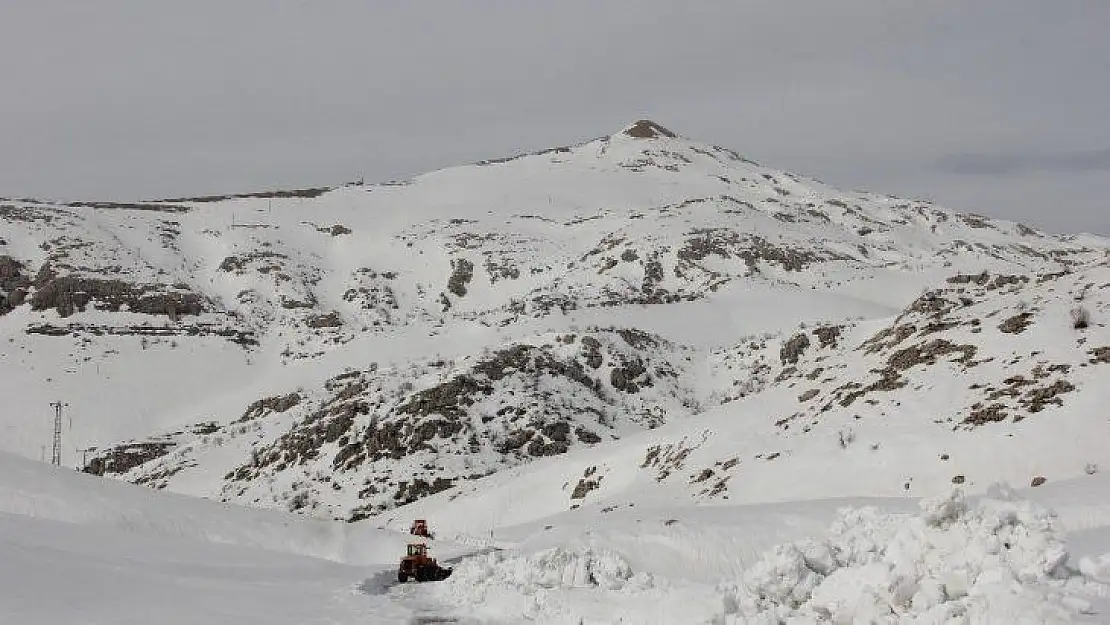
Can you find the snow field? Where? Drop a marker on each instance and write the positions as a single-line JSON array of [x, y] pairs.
[[38, 491], [114, 552]]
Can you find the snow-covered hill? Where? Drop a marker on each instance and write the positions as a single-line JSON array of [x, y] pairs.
[[984, 379], [342, 351], [630, 380]]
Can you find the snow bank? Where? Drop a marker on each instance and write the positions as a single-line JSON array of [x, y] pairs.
[[1096, 569], [560, 567], [996, 560], [1002, 560], [573, 585]]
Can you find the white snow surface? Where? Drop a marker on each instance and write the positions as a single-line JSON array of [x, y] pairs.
[[83, 549]]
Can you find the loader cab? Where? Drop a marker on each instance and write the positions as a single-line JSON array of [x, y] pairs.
[[417, 550]]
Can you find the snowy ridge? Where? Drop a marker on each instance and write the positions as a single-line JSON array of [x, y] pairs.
[[368, 432], [349, 333]]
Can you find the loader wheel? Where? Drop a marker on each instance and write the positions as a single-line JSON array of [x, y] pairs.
[[421, 574], [402, 577]]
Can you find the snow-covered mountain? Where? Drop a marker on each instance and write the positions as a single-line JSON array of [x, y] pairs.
[[343, 351], [630, 380]]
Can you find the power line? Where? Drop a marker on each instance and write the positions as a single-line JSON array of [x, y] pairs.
[[56, 458]]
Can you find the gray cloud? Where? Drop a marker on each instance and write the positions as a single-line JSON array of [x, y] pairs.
[[123, 99], [1007, 164]]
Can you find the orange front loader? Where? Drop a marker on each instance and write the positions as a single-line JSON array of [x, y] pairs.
[[417, 565]]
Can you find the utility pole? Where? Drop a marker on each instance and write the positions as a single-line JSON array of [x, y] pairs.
[[56, 458]]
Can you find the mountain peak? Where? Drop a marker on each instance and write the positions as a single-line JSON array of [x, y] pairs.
[[647, 129]]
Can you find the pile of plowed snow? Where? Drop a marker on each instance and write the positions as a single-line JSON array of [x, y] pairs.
[[568, 585], [1001, 560], [1096, 569], [992, 560], [560, 567]]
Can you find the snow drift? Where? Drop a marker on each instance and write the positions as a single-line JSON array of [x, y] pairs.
[[566, 584], [559, 567], [1001, 560]]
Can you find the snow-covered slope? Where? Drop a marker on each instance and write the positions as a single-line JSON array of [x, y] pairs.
[[81, 549], [902, 405], [983, 379], [342, 351], [38, 491]]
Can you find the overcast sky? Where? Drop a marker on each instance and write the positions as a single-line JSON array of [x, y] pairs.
[[993, 106]]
